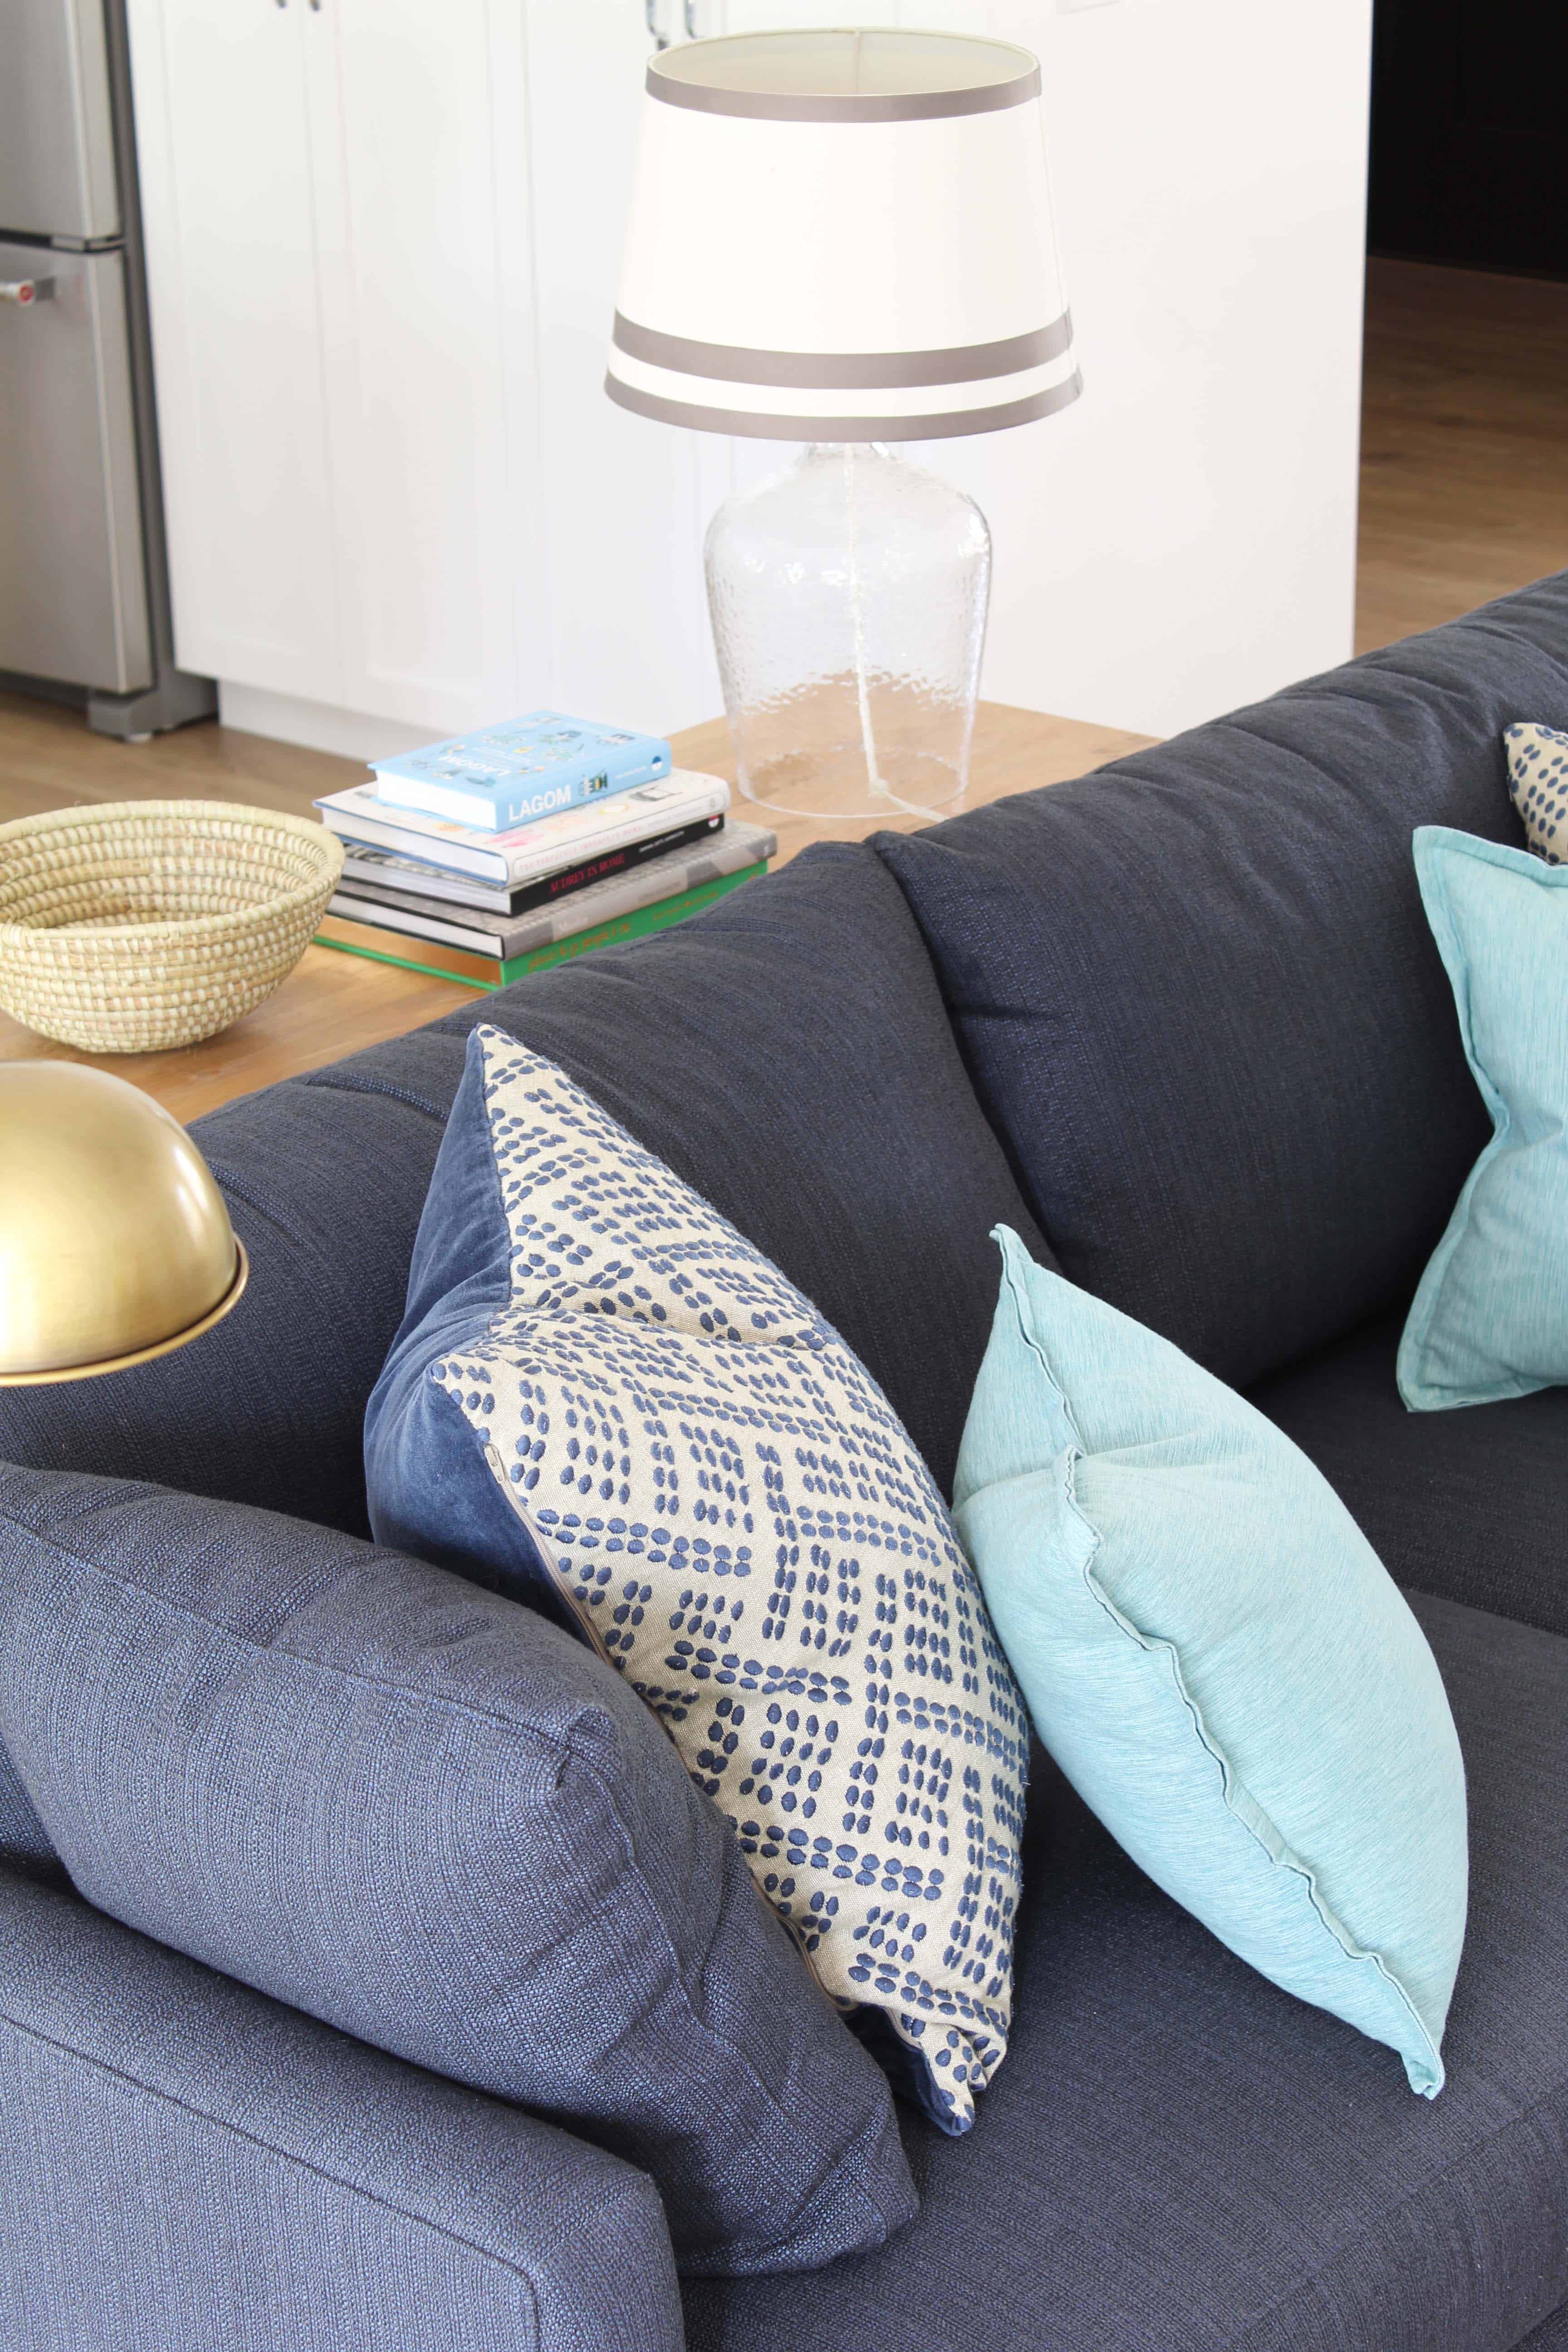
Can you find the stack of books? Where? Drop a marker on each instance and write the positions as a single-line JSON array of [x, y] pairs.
[[497, 854]]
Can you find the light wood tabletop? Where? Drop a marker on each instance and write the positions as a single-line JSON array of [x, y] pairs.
[[332, 1003]]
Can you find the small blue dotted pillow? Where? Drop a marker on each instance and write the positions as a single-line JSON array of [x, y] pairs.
[[1538, 780], [662, 1439]]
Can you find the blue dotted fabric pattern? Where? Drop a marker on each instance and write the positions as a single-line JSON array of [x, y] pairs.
[[1538, 780], [743, 1528]]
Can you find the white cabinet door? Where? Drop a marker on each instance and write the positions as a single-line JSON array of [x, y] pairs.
[[225, 166], [420, 118], [625, 503]]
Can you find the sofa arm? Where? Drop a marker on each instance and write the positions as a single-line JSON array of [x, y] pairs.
[[188, 2164]]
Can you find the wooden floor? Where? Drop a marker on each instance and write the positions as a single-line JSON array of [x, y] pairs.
[[1464, 496], [1464, 473]]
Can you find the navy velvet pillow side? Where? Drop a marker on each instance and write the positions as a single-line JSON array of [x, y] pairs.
[[428, 1489], [425, 1816]]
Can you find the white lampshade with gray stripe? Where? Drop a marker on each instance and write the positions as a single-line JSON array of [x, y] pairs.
[[845, 237]]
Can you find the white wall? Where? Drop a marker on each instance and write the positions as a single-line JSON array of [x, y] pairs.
[[1183, 539]]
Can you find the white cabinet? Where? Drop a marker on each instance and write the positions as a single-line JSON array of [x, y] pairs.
[[419, 147], [340, 266], [224, 138]]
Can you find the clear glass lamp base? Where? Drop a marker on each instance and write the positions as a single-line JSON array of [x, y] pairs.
[[848, 599]]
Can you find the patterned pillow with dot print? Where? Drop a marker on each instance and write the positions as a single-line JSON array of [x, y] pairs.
[[1538, 783], [626, 1414]]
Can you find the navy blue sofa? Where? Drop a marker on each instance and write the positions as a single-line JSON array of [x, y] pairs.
[[1180, 1024]]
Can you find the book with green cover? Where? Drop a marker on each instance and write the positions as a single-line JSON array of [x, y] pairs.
[[480, 972]]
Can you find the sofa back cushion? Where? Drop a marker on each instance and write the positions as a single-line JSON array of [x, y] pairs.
[[1202, 1006], [786, 1052]]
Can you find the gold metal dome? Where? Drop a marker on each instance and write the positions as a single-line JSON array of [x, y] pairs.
[[115, 1244]]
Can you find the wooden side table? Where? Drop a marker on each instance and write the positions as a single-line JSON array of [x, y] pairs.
[[331, 1005]]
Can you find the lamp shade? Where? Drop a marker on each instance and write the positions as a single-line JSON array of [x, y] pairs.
[[115, 1244], [842, 237]]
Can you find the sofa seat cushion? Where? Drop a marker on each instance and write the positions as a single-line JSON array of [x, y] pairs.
[[1473, 1504], [1178, 2158]]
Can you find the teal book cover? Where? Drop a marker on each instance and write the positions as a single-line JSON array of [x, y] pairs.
[[523, 769]]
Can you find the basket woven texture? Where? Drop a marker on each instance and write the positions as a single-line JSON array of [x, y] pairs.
[[144, 924]]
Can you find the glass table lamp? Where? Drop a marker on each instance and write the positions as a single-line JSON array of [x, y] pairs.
[[845, 238]]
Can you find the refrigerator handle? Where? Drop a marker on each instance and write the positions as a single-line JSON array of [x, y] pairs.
[[27, 291]]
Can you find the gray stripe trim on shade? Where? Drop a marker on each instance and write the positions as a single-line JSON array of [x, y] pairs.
[[844, 106], [844, 371], [750, 425]]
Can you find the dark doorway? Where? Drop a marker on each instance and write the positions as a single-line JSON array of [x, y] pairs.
[[1467, 140]]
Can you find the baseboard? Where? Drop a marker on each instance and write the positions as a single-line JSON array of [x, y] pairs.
[[319, 726]]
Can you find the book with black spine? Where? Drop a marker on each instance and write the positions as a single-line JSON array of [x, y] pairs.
[[504, 939], [382, 876]]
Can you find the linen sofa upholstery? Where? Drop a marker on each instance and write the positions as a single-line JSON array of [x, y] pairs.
[[1178, 2158], [1470, 1503], [1200, 1002], [435, 1820], [1174, 2155], [188, 2163]]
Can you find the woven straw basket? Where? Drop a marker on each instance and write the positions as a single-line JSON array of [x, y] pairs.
[[144, 924]]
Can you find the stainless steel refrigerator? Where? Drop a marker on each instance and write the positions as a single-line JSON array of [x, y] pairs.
[[84, 594]]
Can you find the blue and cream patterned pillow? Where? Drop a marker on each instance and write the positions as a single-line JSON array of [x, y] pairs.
[[604, 1399], [1538, 780]]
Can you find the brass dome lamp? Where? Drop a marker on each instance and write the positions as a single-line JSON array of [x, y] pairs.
[[115, 1244]]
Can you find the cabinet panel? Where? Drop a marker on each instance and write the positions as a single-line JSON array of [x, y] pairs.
[[423, 242], [226, 189], [624, 506]]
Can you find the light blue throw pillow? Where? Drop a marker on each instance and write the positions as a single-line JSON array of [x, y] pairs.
[[1490, 1318], [1218, 1660]]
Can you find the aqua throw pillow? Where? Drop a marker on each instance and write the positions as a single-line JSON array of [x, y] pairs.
[[1218, 1660], [609, 1403], [1490, 1316]]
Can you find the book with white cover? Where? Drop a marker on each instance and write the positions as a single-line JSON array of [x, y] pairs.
[[372, 873], [526, 852], [730, 852]]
